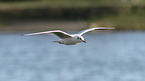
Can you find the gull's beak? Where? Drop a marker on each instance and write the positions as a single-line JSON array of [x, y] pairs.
[[84, 41]]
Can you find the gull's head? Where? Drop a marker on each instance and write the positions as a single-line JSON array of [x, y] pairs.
[[80, 39]]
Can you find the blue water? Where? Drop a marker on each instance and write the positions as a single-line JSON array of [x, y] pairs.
[[111, 56]]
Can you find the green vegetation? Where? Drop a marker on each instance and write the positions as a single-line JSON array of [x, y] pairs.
[[37, 4], [123, 14], [121, 22]]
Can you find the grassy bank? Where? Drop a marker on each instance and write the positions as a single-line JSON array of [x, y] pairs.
[[121, 22], [123, 14], [37, 4]]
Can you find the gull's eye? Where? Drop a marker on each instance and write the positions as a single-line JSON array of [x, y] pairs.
[[79, 38]]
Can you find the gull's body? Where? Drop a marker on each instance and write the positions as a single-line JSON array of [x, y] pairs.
[[68, 39], [72, 41]]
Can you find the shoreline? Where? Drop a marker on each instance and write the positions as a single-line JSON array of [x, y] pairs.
[[43, 25]]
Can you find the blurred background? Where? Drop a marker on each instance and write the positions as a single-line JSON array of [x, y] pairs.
[[30, 15], [114, 55]]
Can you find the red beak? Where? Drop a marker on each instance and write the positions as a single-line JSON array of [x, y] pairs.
[[84, 41]]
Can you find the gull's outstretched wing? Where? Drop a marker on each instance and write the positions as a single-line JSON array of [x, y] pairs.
[[91, 29], [58, 33]]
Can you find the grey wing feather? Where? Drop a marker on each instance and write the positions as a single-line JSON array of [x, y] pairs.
[[58, 33], [92, 29]]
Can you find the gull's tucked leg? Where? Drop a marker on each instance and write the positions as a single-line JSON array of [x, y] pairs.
[[57, 42]]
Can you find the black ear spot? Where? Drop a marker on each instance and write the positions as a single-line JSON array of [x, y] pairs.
[[78, 38]]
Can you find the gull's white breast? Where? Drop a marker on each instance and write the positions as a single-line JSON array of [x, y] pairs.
[[69, 41]]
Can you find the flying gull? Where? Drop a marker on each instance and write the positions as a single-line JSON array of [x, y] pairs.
[[70, 39]]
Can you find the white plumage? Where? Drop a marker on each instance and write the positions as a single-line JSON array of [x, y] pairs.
[[72, 39]]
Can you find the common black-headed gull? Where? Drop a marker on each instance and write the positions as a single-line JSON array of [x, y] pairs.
[[70, 39]]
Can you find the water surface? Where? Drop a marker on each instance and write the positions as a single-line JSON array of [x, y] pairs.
[[117, 56]]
